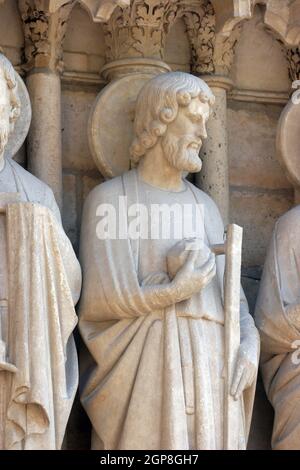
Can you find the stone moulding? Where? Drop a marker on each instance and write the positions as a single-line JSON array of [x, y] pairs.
[[101, 10]]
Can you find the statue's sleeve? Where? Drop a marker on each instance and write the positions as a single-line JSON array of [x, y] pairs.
[[111, 289], [71, 263]]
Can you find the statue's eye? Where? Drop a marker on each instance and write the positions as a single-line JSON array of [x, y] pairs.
[[195, 117]]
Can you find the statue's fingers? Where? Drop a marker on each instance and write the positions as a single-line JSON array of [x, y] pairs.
[[192, 257], [209, 277], [252, 375], [236, 378], [242, 384], [209, 265]]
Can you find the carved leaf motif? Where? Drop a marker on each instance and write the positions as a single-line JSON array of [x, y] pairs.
[[138, 34], [224, 51], [293, 56], [200, 27], [141, 14], [148, 23], [41, 39]]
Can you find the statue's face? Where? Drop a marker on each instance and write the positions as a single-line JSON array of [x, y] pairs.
[[4, 112], [183, 140]]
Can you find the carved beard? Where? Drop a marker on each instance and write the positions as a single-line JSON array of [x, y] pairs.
[[179, 155], [3, 139]]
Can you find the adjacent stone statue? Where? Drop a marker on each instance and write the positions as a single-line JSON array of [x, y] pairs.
[[40, 281], [277, 312], [151, 312]]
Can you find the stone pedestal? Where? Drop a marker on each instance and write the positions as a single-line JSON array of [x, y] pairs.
[[213, 178], [44, 139]]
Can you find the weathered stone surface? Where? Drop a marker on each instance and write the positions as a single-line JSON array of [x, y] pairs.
[[11, 34], [257, 211], [251, 146], [76, 107], [260, 62], [84, 43], [89, 183], [177, 50]]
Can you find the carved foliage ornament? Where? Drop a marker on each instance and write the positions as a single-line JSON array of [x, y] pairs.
[[293, 56], [44, 33], [212, 52], [201, 30], [140, 30]]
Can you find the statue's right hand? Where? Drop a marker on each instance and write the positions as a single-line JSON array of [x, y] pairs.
[[190, 279]]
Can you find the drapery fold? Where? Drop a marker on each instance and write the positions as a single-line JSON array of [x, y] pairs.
[[44, 284], [279, 289], [138, 383]]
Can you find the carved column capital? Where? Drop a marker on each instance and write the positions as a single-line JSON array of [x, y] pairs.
[[213, 35], [293, 57], [44, 31], [140, 30]]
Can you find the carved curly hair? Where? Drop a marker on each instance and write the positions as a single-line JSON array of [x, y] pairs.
[[12, 84], [158, 104]]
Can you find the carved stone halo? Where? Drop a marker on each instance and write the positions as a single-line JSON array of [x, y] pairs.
[[18, 136], [110, 129], [288, 142]]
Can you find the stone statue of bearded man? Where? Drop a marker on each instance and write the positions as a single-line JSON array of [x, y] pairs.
[[40, 281], [152, 312]]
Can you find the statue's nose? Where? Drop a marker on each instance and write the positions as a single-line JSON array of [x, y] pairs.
[[202, 132]]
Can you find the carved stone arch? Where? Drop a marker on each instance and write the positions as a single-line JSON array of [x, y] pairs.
[[101, 10], [281, 19], [178, 33]]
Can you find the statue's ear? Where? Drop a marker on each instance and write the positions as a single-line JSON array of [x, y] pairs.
[[14, 114]]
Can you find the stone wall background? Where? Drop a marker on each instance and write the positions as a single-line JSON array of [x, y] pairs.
[[259, 190]]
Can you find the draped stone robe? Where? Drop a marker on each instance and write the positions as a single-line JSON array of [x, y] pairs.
[[40, 281], [280, 335], [153, 379]]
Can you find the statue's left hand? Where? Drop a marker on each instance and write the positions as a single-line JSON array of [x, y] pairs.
[[245, 372]]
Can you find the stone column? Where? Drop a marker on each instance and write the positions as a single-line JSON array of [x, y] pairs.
[[213, 38], [44, 139], [44, 33], [213, 178]]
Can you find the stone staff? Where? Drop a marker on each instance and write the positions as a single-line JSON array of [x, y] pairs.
[[232, 249], [232, 279]]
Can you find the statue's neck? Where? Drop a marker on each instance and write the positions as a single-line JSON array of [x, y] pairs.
[[155, 170]]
